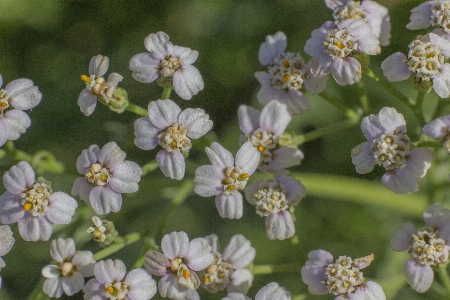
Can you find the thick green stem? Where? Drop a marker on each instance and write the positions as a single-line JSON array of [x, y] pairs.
[[363, 97], [445, 279], [166, 92], [320, 132], [281, 268], [390, 88], [350, 113], [137, 110]]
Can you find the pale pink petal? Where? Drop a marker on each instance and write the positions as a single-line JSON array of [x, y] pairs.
[[108, 271], [24, 95], [61, 208], [4, 131], [87, 101], [240, 281], [62, 249], [172, 164], [104, 200], [87, 158], [196, 121], [247, 158], [272, 291], [280, 226], [168, 286], [82, 188], [187, 82], [144, 67], [18, 123], [275, 118], [199, 256], [156, 263], [163, 113], [402, 237], [35, 228], [438, 128], [208, 180], [436, 215], [230, 206], [53, 287], [126, 177], [155, 42], [346, 71], [146, 134], [186, 55], [272, 47], [111, 155], [20, 177], [395, 68], [11, 210], [239, 252], [175, 244], [419, 277], [363, 158], [391, 119], [248, 119], [219, 156], [142, 285], [441, 81], [73, 284]]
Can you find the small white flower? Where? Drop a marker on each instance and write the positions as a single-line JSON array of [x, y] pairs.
[[68, 276]]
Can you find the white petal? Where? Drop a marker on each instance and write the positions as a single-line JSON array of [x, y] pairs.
[[219, 156], [419, 277], [172, 164], [230, 206], [248, 158], [18, 122], [196, 121], [395, 68], [273, 46], [187, 82], [87, 102], [163, 113]]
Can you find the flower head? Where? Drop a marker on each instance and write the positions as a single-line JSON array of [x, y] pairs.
[[225, 177], [32, 204], [17, 96], [68, 275], [272, 199], [228, 268], [376, 15], [425, 62], [388, 146], [103, 231], [106, 176], [172, 63], [172, 129], [427, 246], [96, 85], [110, 283], [6, 243], [334, 47], [286, 75], [177, 263], [342, 278], [263, 129], [434, 13]]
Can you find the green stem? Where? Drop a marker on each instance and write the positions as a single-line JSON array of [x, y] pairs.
[[166, 92], [137, 110], [429, 144], [295, 241], [363, 97], [390, 88], [119, 243], [150, 167], [350, 113], [320, 132], [418, 107], [445, 279], [281, 268]]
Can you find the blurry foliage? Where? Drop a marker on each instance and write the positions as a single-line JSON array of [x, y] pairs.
[[52, 41]]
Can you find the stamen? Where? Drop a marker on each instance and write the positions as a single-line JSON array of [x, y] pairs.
[[340, 45], [27, 206], [86, 78], [109, 289], [261, 148], [186, 274]]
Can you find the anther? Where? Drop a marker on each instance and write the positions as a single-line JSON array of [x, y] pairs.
[[85, 78]]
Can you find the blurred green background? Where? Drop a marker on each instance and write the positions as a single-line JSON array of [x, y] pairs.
[[52, 41]]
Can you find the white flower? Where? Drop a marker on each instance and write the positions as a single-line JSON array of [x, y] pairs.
[[68, 276]]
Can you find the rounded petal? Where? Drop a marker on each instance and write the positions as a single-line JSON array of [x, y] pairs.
[[104, 200], [168, 286], [73, 284], [391, 120], [272, 291], [419, 277], [436, 215], [208, 181], [172, 164], [346, 71], [62, 249], [19, 177], [369, 44], [240, 281], [163, 113], [247, 158], [87, 101], [53, 287], [438, 128], [107, 271], [236, 296], [251, 189], [187, 82], [98, 65], [126, 177], [373, 291], [93, 290], [144, 67], [239, 252], [142, 285], [156, 263], [400, 181], [199, 256], [395, 68], [230, 206], [4, 131], [314, 276], [82, 188], [314, 85], [175, 244], [419, 161], [6, 239], [87, 158], [35, 228], [315, 43], [442, 43], [283, 158], [363, 158], [295, 190], [146, 134], [11, 210], [280, 226], [186, 55], [51, 271], [84, 262], [24, 95], [421, 16], [441, 82], [272, 47], [248, 119], [18, 123], [196, 121], [402, 237], [219, 156], [275, 118], [155, 42], [111, 155], [61, 208]]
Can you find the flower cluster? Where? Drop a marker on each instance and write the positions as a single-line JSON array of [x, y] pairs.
[[6, 244]]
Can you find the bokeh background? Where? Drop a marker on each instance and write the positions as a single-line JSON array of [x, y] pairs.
[[52, 41]]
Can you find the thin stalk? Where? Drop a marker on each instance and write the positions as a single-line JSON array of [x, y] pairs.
[[118, 245], [295, 241], [445, 279], [429, 144], [320, 132], [137, 110], [363, 97], [390, 88], [418, 107], [150, 167], [350, 113], [281, 268], [166, 92]]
